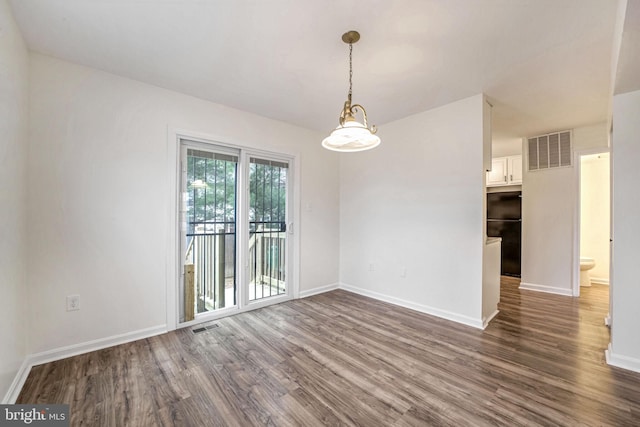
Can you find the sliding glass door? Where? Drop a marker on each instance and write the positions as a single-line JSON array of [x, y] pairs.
[[234, 219]]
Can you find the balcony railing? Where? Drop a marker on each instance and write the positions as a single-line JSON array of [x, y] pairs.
[[211, 252], [210, 255], [267, 259]]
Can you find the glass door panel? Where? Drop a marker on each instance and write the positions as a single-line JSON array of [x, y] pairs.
[[209, 239], [267, 228]]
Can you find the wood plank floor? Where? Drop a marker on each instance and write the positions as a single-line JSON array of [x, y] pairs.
[[343, 359]]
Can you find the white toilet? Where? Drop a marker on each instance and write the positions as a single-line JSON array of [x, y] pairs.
[[586, 264]]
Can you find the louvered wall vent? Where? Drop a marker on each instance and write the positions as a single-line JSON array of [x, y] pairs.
[[550, 151]]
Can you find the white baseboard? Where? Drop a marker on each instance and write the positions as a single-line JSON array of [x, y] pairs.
[[624, 362], [320, 290], [18, 382], [600, 280], [99, 344], [547, 289], [403, 303], [465, 320], [73, 350], [486, 321]]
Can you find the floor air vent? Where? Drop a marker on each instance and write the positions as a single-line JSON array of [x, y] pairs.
[[204, 328], [552, 150]]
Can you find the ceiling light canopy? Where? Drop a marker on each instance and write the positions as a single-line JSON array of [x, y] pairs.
[[351, 135]]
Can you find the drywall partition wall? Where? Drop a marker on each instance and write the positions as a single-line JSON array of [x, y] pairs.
[[595, 213], [411, 215], [504, 148], [625, 339], [100, 202], [14, 95], [549, 219], [547, 233]]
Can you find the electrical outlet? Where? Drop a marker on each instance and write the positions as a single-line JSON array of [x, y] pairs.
[[73, 302], [371, 267]]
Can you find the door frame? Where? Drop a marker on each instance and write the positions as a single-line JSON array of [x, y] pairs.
[[173, 266]]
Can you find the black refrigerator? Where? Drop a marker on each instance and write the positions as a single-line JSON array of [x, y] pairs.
[[504, 219]]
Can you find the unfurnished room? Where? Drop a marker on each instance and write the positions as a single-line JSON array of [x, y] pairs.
[[304, 212]]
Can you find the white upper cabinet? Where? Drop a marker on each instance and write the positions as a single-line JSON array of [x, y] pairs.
[[498, 173], [515, 170], [505, 171]]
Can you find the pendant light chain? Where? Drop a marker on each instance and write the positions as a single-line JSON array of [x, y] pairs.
[[350, 68]]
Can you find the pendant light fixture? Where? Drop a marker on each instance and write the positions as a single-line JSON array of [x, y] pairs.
[[351, 135]]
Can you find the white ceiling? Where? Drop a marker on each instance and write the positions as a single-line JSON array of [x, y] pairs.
[[545, 64]]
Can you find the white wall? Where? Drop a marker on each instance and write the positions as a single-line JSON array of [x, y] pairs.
[[595, 213], [98, 209], [509, 147], [625, 339], [547, 230], [549, 218], [592, 137], [14, 111], [414, 205]]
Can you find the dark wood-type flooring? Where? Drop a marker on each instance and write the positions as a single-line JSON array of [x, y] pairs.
[[343, 359]]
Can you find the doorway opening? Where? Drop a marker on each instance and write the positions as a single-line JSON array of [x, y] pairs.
[[594, 228], [594, 218]]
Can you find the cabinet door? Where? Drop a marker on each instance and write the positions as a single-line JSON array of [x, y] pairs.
[[515, 170], [498, 173]]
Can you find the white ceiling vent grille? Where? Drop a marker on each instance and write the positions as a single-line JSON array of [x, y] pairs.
[[549, 151]]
